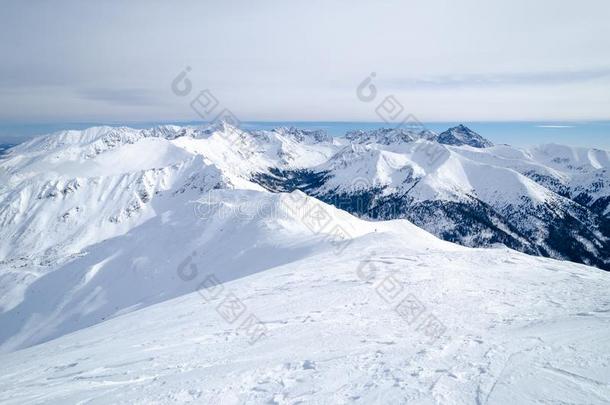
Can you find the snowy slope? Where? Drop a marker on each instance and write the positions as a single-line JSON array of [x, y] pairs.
[[518, 329], [238, 232], [109, 237]]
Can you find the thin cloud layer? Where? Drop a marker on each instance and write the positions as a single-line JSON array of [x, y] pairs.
[[445, 60]]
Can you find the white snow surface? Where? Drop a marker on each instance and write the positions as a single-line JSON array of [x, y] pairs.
[[108, 235], [518, 330]]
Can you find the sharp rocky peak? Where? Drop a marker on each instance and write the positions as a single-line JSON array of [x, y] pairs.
[[462, 135]]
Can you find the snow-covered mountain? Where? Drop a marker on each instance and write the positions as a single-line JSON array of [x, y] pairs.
[[552, 201], [462, 135], [63, 192], [66, 195], [131, 242]]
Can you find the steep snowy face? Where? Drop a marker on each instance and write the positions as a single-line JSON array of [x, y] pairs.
[[462, 135]]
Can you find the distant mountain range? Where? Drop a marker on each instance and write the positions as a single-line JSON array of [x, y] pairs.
[[551, 201]]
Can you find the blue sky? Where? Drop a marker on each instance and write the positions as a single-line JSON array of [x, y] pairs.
[[445, 61]]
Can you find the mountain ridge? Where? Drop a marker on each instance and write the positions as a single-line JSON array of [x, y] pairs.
[[474, 195]]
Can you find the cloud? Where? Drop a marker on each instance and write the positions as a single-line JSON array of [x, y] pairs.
[[470, 60], [121, 97], [502, 79]]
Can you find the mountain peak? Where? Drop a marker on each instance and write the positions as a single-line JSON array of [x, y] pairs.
[[384, 136], [301, 135], [219, 125], [462, 135]]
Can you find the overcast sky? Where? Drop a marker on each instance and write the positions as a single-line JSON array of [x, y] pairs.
[[112, 61]]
